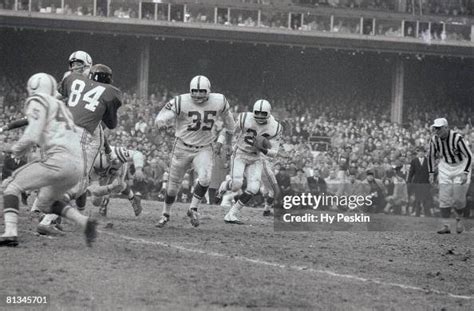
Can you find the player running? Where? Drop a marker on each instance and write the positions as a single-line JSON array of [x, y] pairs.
[[50, 126], [260, 135], [194, 115]]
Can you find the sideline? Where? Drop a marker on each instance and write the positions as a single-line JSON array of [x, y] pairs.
[[282, 266]]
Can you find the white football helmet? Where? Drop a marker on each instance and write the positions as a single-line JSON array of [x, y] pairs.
[[80, 62], [42, 83], [200, 88], [262, 111]]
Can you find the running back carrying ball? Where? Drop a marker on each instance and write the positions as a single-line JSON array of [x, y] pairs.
[[262, 143]]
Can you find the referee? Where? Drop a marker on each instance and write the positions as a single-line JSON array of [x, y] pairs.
[[454, 171]]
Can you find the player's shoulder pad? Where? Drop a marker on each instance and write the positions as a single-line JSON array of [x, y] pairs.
[[277, 127], [243, 117], [174, 104]]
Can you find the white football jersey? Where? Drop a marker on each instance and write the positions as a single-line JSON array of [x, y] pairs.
[[58, 132], [250, 129], [195, 122], [102, 164]]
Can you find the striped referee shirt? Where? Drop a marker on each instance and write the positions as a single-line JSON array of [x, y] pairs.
[[451, 150]]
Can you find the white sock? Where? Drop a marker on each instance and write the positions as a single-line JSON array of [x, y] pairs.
[[194, 202], [167, 208], [35, 208], [48, 219], [238, 205], [131, 194], [74, 215], [11, 221]]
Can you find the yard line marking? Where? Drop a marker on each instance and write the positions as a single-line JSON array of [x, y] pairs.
[[282, 266]]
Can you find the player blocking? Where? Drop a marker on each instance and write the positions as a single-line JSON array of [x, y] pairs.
[[50, 125]]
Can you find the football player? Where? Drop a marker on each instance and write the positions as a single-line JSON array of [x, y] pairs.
[[108, 177], [259, 136], [271, 191], [194, 115], [92, 101], [50, 125], [79, 62]]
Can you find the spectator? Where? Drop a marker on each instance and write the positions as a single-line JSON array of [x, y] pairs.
[[419, 183]]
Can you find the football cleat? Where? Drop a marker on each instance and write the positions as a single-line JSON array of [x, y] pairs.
[[267, 213], [136, 204], [103, 207], [8, 241], [91, 231], [164, 219], [232, 217], [53, 230], [444, 230], [459, 226], [193, 217]]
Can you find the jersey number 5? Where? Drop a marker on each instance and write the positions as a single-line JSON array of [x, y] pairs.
[[198, 120], [91, 97]]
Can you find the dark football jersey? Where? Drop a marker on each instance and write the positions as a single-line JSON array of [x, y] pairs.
[[91, 102]]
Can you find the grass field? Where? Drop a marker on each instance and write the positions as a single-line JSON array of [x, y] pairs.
[[134, 265]]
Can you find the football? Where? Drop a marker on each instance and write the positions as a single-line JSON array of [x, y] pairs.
[[262, 142]]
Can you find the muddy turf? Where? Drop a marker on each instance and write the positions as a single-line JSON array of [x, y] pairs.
[[135, 266]]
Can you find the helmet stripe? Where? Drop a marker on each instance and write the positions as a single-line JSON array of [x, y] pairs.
[[261, 104], [52, 84], [199, 82], [101, 164]]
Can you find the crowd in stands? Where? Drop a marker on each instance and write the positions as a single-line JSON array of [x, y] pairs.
[[274, 19], [326, 143]]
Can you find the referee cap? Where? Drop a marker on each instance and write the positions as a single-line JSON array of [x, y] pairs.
[[440, 122]]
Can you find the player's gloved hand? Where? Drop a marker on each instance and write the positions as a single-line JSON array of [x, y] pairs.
[[218, 148], [431, 178], [139, 176], [464, 178]]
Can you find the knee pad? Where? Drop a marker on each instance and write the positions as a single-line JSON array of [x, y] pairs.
[[253, 186], [204, 179], [236, 184]]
